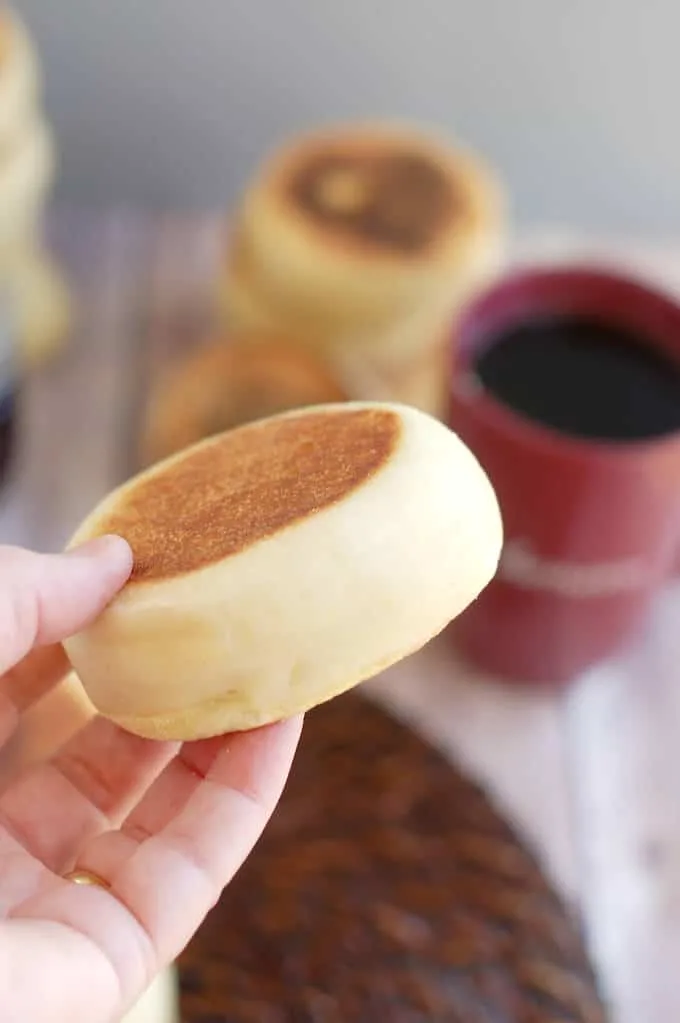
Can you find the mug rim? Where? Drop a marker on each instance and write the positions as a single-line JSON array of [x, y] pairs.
[[465, 387]]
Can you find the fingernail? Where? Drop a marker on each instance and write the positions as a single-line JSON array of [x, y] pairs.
[[109, 547]]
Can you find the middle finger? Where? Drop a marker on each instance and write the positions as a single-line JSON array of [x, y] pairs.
[[88, 787]]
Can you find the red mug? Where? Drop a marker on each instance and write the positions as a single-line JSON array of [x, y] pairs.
[[592, 529]]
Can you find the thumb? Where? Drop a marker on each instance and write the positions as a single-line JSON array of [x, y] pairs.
[[46, 597]]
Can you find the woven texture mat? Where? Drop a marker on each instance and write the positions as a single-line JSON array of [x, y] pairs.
[[386, 889]]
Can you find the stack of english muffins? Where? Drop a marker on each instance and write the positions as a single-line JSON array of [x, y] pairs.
[[361, 242], [28, 278]]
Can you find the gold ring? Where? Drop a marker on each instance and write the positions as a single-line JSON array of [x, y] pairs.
[[86, 877]]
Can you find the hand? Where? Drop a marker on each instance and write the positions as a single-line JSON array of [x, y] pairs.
[[165, 826]]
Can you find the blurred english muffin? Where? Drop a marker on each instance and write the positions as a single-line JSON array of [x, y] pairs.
[[29, 278], [406, 362], [26, 173], [226, 383], [40, 301], [243, 310], [252, 311], [19, 76], [364, 224], [421, 382], [362, 242]]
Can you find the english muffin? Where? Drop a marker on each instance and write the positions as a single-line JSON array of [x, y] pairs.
[[26, 173], [226, 383], [41, 303], [281, 563], [19, 77], [388, 346], [368, 222], [421, 382]]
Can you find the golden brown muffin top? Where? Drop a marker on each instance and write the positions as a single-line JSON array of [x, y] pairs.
[[374, 194], [229, 493]]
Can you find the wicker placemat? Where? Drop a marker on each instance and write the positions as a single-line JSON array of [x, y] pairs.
[[386, 890]]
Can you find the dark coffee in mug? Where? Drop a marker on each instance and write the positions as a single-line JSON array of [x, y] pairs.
[[566, 385], [583, 377]]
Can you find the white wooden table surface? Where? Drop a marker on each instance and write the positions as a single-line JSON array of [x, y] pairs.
[[591, 775]]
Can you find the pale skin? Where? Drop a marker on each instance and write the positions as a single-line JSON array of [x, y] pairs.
[[165, 825]]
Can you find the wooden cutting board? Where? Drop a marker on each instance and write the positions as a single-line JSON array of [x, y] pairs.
[[387, 889]]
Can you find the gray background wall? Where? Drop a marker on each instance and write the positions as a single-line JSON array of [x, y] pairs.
[[170, 102]]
